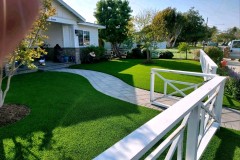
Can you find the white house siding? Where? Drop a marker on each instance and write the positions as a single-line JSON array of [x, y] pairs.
[[55, 34], [63, 15], [93, 34], [68, 36], [62, 30]]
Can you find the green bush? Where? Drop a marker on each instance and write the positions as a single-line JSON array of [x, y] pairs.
[[144, 52], [183, 46], [136, 53], [99, 52], [232, 87], [166, 55], [215, 54]]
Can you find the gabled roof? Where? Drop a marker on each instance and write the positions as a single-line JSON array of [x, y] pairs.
[[71, 10]]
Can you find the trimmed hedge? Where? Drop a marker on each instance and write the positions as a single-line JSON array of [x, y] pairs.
[[99, 52], [166, 55], [215, 53]]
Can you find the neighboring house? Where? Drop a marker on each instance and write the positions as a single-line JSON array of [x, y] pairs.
[[70, 30]]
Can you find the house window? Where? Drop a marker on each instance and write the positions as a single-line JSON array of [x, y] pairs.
[[83, 37], [86, 38]]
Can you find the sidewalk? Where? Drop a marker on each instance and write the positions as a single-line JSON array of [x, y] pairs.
[[116, 88]]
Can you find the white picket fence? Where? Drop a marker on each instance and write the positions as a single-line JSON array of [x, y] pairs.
[[207, 64], [198, 115], [200, 111], [168, 83]]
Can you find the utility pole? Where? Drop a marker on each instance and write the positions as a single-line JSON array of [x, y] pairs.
[[206, 39]]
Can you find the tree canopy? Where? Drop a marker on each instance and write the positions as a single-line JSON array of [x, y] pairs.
[[194, 29], [115, 15], [168, 24]]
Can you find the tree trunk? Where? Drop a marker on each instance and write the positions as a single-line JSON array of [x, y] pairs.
[[148, 55], [178, 32], [1, 98], [115, 49], [186, 54]]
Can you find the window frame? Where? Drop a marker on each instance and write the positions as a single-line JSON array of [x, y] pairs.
[[83, 37]]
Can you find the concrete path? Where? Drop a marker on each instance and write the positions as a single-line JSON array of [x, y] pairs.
[[116, 88]]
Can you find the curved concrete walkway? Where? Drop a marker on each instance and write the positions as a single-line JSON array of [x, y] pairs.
[[116, 88]]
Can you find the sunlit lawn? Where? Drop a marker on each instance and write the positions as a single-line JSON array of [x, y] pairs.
[[135, 73], [69, 119]]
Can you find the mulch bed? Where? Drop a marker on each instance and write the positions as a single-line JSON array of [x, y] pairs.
[[10, 113]]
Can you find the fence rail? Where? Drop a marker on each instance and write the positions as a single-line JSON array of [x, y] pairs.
[[198, 115], [207, 64], [199, 112], [171, 83]]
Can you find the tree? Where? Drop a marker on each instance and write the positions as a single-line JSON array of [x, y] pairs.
[[194, 29], [143, 19], [168, 24], [228, 35], [183, 46], [147, 39], [212, 33], [28, 49], [115, 15], [144, 34]]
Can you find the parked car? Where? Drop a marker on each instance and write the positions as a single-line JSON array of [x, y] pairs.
[[210, 43], [234, 49]]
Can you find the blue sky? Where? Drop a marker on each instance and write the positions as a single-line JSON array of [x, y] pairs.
[[221, 13]]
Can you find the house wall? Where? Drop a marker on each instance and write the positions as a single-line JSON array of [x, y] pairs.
[[55, 34], [68, 35], [62, 31], [63, 15], [93, 35]]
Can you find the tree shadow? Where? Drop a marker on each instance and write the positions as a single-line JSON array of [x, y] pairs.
[[58, 100], [229, 99], [229, 143]]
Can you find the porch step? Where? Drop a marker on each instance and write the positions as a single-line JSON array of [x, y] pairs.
[[54, 66], [50, 66]]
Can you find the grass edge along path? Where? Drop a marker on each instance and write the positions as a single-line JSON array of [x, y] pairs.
[[69, 119], [137, 74]]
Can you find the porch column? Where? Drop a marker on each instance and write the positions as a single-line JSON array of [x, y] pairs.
[[76, 46]]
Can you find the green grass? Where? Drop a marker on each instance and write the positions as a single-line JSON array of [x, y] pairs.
[[181, 55], [224, 146], [135, 73], [69, 119]]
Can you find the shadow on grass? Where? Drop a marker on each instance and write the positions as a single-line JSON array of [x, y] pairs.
[[68, 118], [231, 102], [224, 145]]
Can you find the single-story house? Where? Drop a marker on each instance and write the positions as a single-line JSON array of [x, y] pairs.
[[70, 30]]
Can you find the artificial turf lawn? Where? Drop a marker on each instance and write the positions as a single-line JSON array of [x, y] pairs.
[[135, 73], [69, 119]]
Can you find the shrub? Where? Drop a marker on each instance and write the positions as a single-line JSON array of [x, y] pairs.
[[215, 54], [183, 46], [232, 87], [196, 53], [144, 52], [136, 53], [166, 55], [99, 52]]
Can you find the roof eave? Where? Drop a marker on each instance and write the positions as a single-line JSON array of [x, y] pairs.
[[93, 25]]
